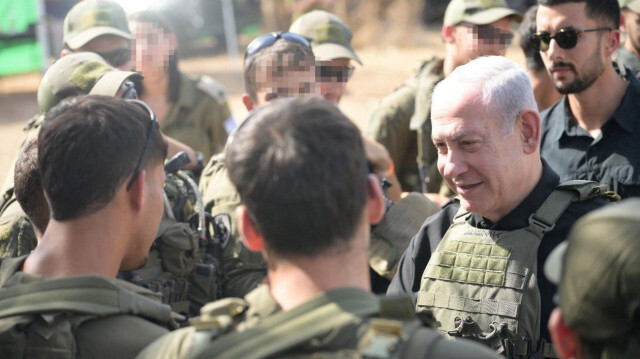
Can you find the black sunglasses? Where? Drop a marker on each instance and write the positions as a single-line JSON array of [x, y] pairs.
[[268, 40], [565, 38], [117, 57], [340, 73], [152, 124]]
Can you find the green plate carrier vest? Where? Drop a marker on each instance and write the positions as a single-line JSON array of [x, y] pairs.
[[482, 284]]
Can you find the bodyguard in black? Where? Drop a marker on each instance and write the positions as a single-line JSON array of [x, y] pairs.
[[415, 259], [592, 132], [612, 159]]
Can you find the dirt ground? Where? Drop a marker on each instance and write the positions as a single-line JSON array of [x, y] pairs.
[[383, 70]]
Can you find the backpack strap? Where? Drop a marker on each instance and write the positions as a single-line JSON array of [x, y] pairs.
[[94, 295], [286, 330]]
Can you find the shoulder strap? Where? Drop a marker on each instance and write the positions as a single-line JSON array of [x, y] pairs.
[[286, 330], [88, 295], [545, 218]]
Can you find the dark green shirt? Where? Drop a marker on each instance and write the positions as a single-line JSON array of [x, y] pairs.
[[612, 159]]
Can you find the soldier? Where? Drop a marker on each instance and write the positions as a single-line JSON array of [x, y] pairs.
[[98, 26], [330, 40], [74, 74], [401, 121], [191, 110], [592, 132], [546, 95], [629, 55], [598, 270], [282, 65], [474, 263], [294, 162], [101, 222]]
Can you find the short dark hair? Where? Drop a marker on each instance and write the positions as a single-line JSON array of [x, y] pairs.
[[531, 51], [88, 147], [606, 10], [279, 55], [28, 187], [300, 168]]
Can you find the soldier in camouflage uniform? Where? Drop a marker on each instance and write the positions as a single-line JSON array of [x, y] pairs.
[[401, 121], [316, 245], [191, 110], [597, 270], [74, 74], [62, 300], [629, 55]]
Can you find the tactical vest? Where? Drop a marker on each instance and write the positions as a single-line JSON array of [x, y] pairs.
[[482, 284], [386, 328], [40, 319]]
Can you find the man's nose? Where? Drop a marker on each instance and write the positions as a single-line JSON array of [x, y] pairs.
[[453, 164]]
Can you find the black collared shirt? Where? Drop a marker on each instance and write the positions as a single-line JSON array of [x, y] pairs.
[[415, 258], [612, 159]]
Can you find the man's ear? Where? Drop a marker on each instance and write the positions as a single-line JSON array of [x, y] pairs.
[[565, 340], [65, 52], [250, 234], [613, 42], [248, 102], [529, 127], [448, 34], [136, 192], [375, 200]]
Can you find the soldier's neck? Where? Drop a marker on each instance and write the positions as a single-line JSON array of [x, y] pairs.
[[294, 282], [77, 247]]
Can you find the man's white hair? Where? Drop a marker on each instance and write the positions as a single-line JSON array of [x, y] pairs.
[[502, 86]]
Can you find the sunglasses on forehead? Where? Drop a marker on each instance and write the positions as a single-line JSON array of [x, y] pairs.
[[268, 40], [565, 38]]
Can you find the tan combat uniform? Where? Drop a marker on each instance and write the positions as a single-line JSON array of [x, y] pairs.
[[402, 123], [200, 118]]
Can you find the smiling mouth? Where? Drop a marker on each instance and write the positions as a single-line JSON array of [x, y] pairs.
[[465, 189]]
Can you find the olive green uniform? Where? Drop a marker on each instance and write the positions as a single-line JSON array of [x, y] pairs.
[[346, 323], [402, 123], [244, 270], [86, 316], [200, 117]]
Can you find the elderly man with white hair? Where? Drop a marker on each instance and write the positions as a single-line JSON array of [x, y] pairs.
[[474, 265]]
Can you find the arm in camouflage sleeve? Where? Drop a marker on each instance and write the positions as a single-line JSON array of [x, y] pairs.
[[242, 269]]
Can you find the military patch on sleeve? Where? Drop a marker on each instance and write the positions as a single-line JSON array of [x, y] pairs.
[[212, 88], [222, 228]]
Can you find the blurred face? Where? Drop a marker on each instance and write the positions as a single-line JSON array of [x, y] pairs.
[[114, 49], [473, 41], [576, 69], [288, 80], [475, 157], [333, 77], [632, 28], [152, 48]]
